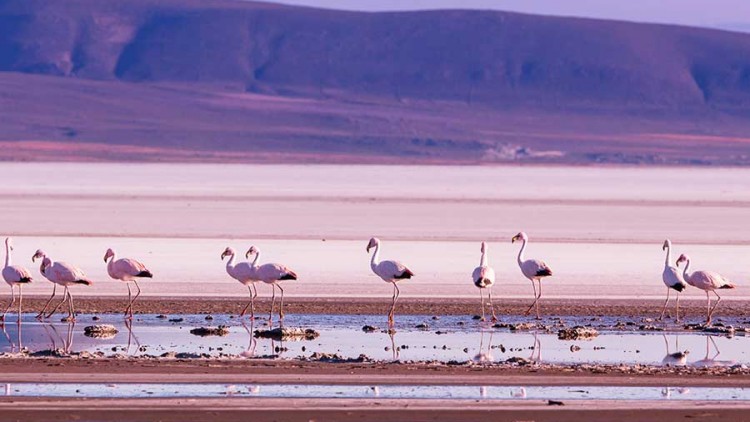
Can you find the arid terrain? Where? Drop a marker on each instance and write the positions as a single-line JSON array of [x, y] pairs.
[[241, 81]]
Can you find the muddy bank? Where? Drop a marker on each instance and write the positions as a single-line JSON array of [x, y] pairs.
[[368, 306]]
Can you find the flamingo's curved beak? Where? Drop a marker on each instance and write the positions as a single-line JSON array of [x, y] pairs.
[[368, 248], [223, 254]]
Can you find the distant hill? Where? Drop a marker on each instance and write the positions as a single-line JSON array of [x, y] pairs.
[[223, 80]]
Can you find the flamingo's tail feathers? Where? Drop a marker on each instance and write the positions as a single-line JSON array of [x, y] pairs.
[[405, 275], [84, 282], [482, 282], [291, 275], [727, 286], [544, 272], [145, 273], [25, 280], [679, 287]]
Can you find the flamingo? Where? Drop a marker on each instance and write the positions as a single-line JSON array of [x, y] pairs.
[[271, 274], [242, 272], [127, 270], [672, 279], [14, 276], [707, 281], [389, 271], [60, 273], [532, 269], [484, 278]]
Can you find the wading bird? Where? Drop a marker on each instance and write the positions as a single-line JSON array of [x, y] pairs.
[[389, 271], [271, 274], [126, 270], [707, 281], [532, 269], [672, 279], [242, 272], [14, 276], [484, 278], [60, 273]]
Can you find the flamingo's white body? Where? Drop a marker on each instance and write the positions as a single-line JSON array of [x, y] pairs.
[[678, 358], [242, 272], [14, 276], [272, 274], [532, 269], [60, 274], [390, 271], [484, 277], [126, 270], [672, 279], [707, 281]]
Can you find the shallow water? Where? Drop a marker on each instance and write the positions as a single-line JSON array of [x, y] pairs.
[[453, 392], [446, 339]]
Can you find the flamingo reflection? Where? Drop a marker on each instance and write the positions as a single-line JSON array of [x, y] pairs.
[[678, 358], [250, 351], [484, 355], [712, 361]]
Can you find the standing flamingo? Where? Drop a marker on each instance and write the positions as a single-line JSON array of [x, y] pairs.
[[389, 271], [532, 269], [271, 274], [672, 279], [127, 270], [707, 281], [242, 272], [60, 273], [484, 278], [14, 276]]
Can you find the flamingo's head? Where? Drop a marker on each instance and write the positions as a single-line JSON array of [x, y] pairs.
[[110, 253], [667, 244], [9, 243], [484, 247], [252, 251], [374, 241], [682, 258], [38, 254], [521, 236], [227, 252]]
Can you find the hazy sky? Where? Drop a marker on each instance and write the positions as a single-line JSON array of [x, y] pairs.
[[686, 12]]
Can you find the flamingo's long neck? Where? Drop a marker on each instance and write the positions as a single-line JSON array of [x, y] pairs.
[[111, 262], [375, 257], [7, 254], [520, 253], [668, 260], [685, 274], [483, 260], [255, 261], [230, 263]]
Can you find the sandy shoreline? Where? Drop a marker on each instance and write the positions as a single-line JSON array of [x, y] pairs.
[[645, 308]]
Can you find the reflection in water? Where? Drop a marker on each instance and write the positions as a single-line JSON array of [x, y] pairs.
[[484, 355], [678, 358], [250, 351], [712, 361], [10, 341], [396, 350], [536, 349], [67, 342], [131, 335]]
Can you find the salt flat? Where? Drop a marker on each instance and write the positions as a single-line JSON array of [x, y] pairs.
[[599, 228]]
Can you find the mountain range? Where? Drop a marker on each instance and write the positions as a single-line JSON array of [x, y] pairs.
[[239, 81]]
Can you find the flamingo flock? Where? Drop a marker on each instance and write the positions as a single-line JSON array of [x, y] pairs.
[[249, 273]]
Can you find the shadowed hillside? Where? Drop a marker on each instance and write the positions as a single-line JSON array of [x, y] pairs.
[[231, 80]]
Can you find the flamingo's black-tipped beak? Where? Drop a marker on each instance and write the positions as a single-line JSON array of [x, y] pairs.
[[368, 248]]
